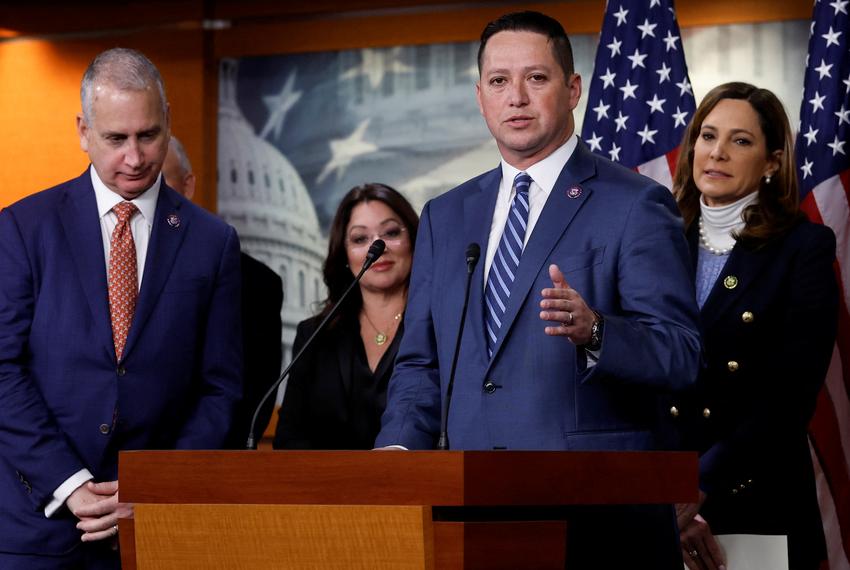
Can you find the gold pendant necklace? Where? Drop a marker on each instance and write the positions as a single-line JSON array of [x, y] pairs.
[[380, 337]]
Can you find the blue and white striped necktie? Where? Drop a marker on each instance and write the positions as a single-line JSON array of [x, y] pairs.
[[506, 261]]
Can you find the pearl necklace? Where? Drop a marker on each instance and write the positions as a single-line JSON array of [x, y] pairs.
[[703, 238]]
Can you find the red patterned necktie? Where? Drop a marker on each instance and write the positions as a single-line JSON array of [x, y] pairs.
[[123, 281]]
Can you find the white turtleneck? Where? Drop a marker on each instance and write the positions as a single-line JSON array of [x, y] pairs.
[[720, 222]]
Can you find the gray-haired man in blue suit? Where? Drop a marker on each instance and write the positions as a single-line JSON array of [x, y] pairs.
[[119, 327]]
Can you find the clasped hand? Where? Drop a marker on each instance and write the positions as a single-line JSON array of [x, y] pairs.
[[97, 507]]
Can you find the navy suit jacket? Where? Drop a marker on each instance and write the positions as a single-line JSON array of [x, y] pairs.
[[65, 402], [769, 336], [620, 244]]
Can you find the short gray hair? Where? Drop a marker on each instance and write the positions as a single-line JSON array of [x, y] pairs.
[[123, 68], [176, 147]]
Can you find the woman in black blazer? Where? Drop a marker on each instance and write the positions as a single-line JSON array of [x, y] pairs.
[[337, 392], [769, 305]]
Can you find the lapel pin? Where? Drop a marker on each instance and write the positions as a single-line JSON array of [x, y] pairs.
[[730, 282], [173, 220], [574, 192]]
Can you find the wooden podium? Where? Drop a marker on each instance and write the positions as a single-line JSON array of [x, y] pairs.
[[376, 509]]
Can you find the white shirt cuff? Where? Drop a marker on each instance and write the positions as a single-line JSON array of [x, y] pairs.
[[391, 447], [61, 494], [592, 357]]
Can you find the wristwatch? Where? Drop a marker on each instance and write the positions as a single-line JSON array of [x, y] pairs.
[[595, 342]]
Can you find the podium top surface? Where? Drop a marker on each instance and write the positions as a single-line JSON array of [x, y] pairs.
[[438, 478]]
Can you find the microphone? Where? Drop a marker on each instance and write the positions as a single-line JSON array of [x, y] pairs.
[[473, 252], [375, 251]]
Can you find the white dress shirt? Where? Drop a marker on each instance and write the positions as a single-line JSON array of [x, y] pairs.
[[140, 226], [543, 174]]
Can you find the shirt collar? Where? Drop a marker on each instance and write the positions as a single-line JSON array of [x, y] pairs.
[[107, 199], [546, 172]]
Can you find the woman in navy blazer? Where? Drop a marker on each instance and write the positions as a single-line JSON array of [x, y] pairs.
[[338, 390], [768, 299]]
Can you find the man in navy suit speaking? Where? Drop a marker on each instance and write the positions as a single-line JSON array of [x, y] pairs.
[[119, 327], [581, 317]]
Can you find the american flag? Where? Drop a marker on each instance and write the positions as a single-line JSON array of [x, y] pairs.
[[824, 171], [640, 98]]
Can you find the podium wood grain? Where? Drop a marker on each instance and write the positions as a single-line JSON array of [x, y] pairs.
[[369, 509]]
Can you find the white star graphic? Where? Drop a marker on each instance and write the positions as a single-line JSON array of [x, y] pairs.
[[840, 6], [655, 3], [621, 121], [646, 135], [670, 41], [837, 146], [614, 153], [847, 83], [601, 110], [637, 59], [279, 105], [628, 90], [621, 16], [684, 87], [811, 136], [842, 116], [656, 104], [375, 66], [664, 72], [823, 69], [595, 142], [647, 29], [344, 151], [807, 168], [831, 37], [817, 102], [614, 46], [607, 79], [680, 117]]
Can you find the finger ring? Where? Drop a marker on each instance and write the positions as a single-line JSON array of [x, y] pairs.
[[569, 322], [694, 553], [116, 528]]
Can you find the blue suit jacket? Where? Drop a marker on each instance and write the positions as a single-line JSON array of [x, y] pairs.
[[65, 402], [749, 421], [620, 244]]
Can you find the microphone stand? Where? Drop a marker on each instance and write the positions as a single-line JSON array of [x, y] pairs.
[[473, 252], [375, 251]]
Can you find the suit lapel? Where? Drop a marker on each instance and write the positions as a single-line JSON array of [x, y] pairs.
[[346, 354], [82, 230], [162, 251], [477, 230], [557, 214], [736, 277]]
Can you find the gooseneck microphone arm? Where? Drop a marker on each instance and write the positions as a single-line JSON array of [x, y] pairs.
[[473, 252], [375, 251]]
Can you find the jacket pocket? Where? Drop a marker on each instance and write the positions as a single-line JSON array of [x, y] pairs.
[[581, 260]]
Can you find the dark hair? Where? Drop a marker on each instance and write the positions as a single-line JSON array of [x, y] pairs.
[[336, 272], [538, 23], [777, 209]]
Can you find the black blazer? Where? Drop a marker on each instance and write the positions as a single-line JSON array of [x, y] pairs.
[[769, 327], [332, 400], [262, 299]]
